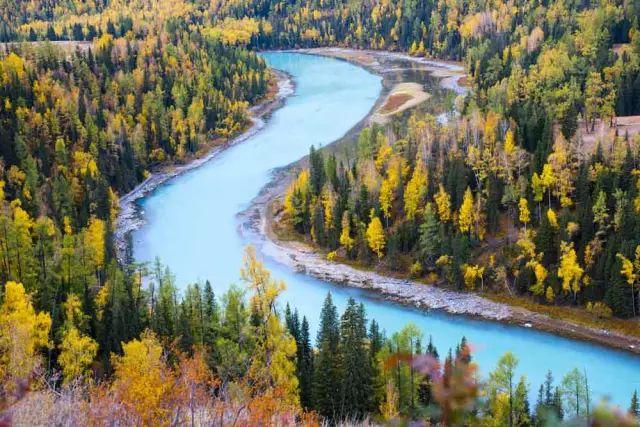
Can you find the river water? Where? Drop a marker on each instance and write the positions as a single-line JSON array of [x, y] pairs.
[[192, 226]]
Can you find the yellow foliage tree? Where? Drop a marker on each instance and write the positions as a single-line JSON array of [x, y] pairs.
[[549, 295], [630, 270], [375, 235], [77, 351], [466, 215], [471, 274], [525, 214], [345, 235], [143, 379], [22, 333], [94, 238], [443, 204], [273, 368], [553, 219], [569, 270], [415, 191]]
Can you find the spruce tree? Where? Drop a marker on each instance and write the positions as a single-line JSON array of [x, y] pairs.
[[327, 383], [356, 370], [305, 365], [634, 407]]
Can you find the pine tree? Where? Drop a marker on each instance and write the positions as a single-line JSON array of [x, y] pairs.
[[356, 374], [634, 407], [305, 365], [327, 381], [429, 237]]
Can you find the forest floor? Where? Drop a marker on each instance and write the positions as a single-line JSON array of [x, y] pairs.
[[262, 218]]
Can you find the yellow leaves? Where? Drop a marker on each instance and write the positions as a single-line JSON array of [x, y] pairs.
[[569, 270], [233, 31], [562, 164], [549, 295], [547, 179], [142, 378], [526, 244], [22, 332], [272, 367], [85, 164], [345, 235], [301, 184], [509, 143], [443, 204], [384, 153], [104, 42], [390, 184], [629, 269], [328, 203], [94, 239], [552, 218], [415, 191], [525, 214], [375, 235], [471, 274], [73, 314], [466, 215], [475, 26], [76, 354], [541, 274], [626, 269], [12, 67]]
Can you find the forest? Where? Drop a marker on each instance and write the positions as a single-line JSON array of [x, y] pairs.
[[524, 194], [517, 197]]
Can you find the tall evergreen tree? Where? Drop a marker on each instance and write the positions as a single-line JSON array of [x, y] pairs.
[[356, 369], [327, 381], [305, 365]]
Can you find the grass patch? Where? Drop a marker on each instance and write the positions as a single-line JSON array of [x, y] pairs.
[[577, 315]]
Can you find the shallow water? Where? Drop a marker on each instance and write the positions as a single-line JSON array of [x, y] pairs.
[[192, 227]]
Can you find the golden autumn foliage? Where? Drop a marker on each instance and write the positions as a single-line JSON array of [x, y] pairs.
[[443, 203], [142, 380], [569, 270], [466, 214], [22, 333], [415, 191], [375, 236], [236, 31], [345, 235], [272, 369], [77, 352]]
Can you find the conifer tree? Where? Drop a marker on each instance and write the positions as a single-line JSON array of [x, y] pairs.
[[356, 369], [327, 381], [634, 407]]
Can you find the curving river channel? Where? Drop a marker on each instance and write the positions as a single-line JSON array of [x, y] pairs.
[[192, 226]]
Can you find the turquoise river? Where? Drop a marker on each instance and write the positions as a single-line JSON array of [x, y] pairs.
[[192, 226]]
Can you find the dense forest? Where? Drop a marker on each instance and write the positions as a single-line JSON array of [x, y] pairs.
[[518, 196], [533, 191], [204, 359]]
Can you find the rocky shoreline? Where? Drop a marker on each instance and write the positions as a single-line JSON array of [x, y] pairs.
[[130, 216], [258, 220]]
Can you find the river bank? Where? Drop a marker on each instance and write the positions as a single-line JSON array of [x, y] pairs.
[[259, 219], [130, 216]]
